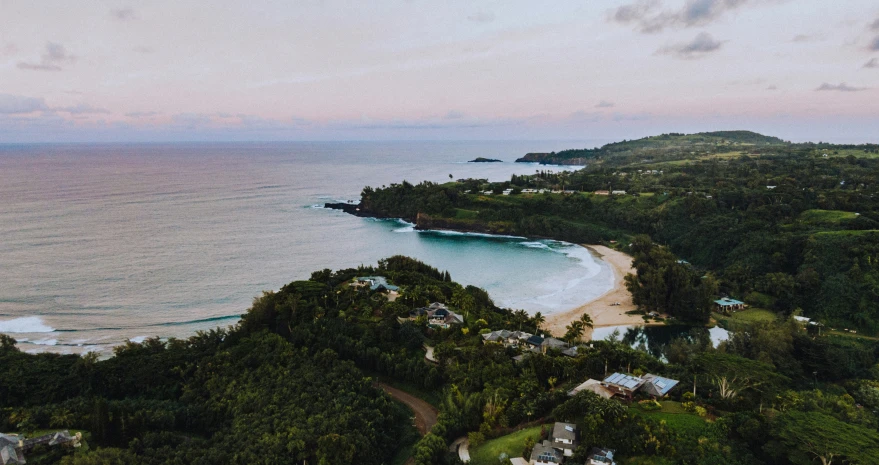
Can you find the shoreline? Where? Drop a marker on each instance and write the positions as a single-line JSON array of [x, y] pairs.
[[599, 308]]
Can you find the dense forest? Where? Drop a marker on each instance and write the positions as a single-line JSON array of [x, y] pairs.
[[786, 227], [293, 382]]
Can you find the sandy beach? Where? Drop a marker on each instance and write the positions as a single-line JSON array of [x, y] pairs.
[[600, 309]]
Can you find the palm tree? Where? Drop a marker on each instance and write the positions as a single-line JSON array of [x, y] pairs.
[[587, 321], [539, 320], [574, 331]]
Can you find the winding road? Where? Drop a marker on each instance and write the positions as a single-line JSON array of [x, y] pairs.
[[425, 414]]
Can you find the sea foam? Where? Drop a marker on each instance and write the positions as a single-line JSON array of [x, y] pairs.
[[28, 324]]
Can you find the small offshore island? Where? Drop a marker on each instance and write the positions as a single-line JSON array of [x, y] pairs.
[[485, 160], [775, 241]]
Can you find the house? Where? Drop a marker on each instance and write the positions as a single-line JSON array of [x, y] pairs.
[[600, 456], [618, 192], [518, 461], [12, 448], [657, 386], [507, 338], [376, 283], [593, 385], [726, 304], [543, 344], [553, 343], [623, 385], [571, 351], [564, 438], [545, 454], [601, 192], [437, 315]]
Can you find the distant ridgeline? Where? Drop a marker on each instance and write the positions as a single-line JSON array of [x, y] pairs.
[[780, 225], [667, 144]]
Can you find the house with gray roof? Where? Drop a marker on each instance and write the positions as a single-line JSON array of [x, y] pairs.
[[564, 437], [505, 337], [438, 315], [545, 454], [600, 456]]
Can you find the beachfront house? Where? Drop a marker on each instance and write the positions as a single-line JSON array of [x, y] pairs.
[[545, 454], [505, 337], [543, 344], [564, 438], [727, 305]]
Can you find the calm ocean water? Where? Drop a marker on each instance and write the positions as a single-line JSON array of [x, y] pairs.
[[104, 243]]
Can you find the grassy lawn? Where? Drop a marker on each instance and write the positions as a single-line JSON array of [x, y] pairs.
[[462, 214], [674, 416], [826, 217], [511, 444]]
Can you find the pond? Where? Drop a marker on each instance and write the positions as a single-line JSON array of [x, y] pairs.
[[654, 339]]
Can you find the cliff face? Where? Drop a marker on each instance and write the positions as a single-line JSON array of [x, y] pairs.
[[550, 159], [425, 221]]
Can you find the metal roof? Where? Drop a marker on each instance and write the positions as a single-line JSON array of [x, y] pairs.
[[660, 385], [627, 381], [727, 301]]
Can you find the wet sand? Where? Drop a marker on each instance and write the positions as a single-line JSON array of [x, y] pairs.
[[600, 309]]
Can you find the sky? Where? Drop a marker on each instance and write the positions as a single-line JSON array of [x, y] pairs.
[[107, 71]]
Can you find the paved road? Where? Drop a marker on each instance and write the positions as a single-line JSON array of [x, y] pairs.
[[462, 447], [425, 414]]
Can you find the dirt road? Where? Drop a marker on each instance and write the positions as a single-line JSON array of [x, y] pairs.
[[425, 414]]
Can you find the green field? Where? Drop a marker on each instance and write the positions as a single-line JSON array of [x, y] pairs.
[[750, 315], [826, 217], [674, 416], [511, 444]]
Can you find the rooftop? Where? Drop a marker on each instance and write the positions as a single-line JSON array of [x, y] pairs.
[[658, 385], [727, 301], [624, 381], [564, 431]]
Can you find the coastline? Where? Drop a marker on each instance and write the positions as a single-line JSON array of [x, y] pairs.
[[600, 309]]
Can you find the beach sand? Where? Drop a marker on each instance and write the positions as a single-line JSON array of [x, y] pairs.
[[600, 309]]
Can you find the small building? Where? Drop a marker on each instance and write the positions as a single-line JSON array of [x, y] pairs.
[[657, 386], [545, 454], [618, 192], [601, 192], [727, 304], [600, 456], [564, 438]]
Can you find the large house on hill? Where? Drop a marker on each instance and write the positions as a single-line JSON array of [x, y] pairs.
[[438, 315], [625, 385]]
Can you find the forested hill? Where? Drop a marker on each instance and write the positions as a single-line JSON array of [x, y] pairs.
[[782, 227], [671, 146], [288, 385]]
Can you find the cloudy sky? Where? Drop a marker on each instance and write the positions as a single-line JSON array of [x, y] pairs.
[[94, 70]]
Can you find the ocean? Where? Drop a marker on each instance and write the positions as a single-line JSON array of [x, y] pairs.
[[100, 244]]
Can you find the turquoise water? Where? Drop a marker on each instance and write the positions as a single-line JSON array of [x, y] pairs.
[[104, 243]]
